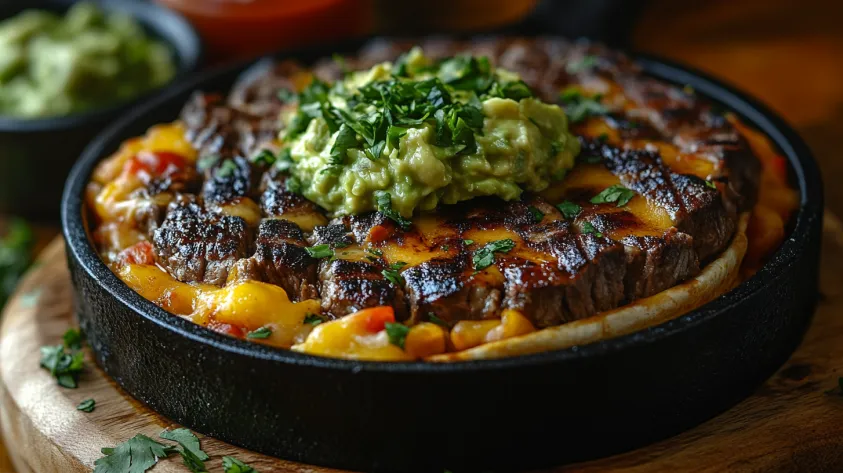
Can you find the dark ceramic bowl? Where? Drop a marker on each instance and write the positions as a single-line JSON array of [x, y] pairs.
[[516, 413], [37, 154]]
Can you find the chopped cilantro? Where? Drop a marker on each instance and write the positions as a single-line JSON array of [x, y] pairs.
[[226, 169], [206, 162], [711, 184], [87, 405], [616, 193], [312, 319], [393, 275], [384, 201], [320, 251], [263, 157], [191, 452], [186, 439], [436, 320], [397, 333], [579, 107], [292, 184], [73, 339], [65, 365], [569, 209], [346, 138], [233, 465], [587, 227], [263, 332], [538, 215], [446, 247], [136, 455], [394, 134], [375, 251], [468, 242], [485, 256]]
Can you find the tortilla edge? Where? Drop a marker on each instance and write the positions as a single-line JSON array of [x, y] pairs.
[[717, 278]]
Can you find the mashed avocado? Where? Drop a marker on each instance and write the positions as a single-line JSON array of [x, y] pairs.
[[51, 65], [424, 133]]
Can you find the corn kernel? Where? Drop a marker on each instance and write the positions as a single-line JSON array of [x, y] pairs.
[[471, 333], [425, 339], [513, 324]]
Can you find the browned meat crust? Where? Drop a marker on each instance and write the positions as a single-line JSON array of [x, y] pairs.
[[282, 259], [196, 245]]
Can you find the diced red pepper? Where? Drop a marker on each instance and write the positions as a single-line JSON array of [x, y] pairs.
[[139, 253], [378, 233], [226, 329], [376, 318], [157, 163]]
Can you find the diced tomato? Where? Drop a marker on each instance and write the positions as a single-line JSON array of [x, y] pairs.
[[226, 329], [139, 253], [147, 164], [378, 233], [376, 318]]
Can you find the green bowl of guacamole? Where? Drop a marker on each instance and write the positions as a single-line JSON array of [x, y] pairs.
[[55, 64], [67, 71]]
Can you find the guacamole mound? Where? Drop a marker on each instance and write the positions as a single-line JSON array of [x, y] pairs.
[[52, 65], [424, 133]]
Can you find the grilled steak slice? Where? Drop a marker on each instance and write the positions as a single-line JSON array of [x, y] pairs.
[[654, 264], [282, 259], [151, 201], [586, 278], [354, 279], [348, 286], [449, 289], [230, 180], [694, 206], [196, 245], [276, 200], [215, 128]]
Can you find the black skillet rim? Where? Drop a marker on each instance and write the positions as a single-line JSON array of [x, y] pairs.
[[805, 174]]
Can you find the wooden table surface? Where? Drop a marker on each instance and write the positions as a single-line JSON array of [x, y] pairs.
[[788, 53]]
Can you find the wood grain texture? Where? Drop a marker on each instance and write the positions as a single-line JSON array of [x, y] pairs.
[[791, 424]]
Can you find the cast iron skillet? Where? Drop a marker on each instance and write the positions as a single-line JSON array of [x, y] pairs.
[[515, 413]]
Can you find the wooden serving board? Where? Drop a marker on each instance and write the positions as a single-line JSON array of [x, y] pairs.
[[794, 423]]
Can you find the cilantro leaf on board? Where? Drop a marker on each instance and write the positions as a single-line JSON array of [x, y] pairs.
[[136, 455], [233, 465]]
